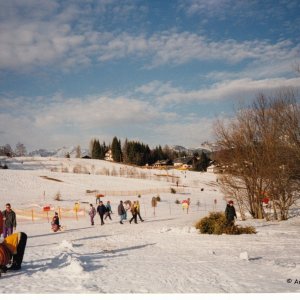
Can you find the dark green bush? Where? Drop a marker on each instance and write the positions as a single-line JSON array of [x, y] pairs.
[[216, 223]]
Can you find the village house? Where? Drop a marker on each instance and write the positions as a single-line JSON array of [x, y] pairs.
[[183, 162], [163, 163], [108, 156]]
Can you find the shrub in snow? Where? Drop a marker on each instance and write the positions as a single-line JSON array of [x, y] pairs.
[[177, 201], [216, 223]]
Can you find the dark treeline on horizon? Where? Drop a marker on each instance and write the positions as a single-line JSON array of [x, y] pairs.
[[140, 154]]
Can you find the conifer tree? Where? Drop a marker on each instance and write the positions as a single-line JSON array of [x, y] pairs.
[[96, 151], [116, 150]]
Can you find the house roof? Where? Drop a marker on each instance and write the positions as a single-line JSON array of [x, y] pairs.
[[184, 160]]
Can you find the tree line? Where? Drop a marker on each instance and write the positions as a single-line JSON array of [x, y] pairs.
[[7, 150], [140, 154]]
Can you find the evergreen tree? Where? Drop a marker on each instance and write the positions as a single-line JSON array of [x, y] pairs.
[[96, 150], [202, 163], [116, 150], [103, 150]]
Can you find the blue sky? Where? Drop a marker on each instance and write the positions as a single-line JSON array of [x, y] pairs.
[[156, 71]]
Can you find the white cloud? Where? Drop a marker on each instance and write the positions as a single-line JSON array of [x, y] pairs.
[[65, 36], [157, 88], [40, 120], [233, 89]]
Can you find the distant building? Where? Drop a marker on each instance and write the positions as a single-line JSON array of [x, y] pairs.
[[163, 163], [108, 156], [183, 162]]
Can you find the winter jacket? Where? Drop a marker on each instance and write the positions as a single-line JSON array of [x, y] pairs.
[[55, 221], [101, 209], [121, 209], [230, 212], [134, 209], [12, 242], [1, 223], [138, 207], [92, 212], [9, 247], [11, 220], [108, 207]]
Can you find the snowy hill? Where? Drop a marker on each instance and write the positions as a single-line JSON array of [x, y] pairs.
[[163, 254]]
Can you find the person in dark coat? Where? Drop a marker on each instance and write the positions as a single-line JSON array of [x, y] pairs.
[[101, 209], [121, 212], [9, 221], [230, 213], [108, 210], [55, 226]]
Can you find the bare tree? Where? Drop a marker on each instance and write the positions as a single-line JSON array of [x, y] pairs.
[[20, 150], [7, 151], [259, 154]]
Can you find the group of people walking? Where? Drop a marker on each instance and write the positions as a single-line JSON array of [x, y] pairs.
[[133, 207], [105, 211]]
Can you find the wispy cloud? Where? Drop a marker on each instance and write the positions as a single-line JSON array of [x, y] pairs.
[[232, 89]]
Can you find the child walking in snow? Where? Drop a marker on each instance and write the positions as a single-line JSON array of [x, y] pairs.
[[92, 214]]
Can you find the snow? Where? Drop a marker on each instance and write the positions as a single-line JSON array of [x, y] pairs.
[[164, 254]]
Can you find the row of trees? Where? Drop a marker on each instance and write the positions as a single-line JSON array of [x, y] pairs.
[[97, 150], [137, 153], [259, 154], [132, 152], [7, 150]]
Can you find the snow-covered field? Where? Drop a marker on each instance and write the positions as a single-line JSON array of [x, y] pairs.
[[164, 254]]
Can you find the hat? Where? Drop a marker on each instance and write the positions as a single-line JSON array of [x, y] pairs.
[[230, 202]]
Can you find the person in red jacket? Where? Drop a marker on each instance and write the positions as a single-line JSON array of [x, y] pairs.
[[55, 226]]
